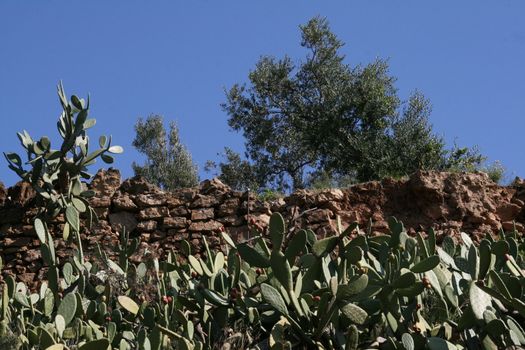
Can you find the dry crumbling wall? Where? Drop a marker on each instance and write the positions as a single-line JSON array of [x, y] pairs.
[[448, 202]]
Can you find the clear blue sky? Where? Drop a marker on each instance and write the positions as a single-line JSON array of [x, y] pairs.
[[176, 57]]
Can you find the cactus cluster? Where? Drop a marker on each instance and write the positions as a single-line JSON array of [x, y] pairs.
[[349, 291], [280, 290]]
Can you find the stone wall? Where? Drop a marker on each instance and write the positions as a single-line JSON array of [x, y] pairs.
[[448, 202]]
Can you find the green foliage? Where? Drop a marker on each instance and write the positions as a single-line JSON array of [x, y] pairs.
[[374, 292], [320, 120], [469, 159], [168, 163], [57, 174], [42, 320], [495, 171], [320, 180], [236, 172], [281, 290], [463, 159], [269, 195], [408, 145]]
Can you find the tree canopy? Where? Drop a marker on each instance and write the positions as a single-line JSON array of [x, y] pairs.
[[168, 162], [238, 173], [320, 116]]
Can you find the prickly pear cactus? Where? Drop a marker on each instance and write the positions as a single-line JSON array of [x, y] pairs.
[[281, 290]]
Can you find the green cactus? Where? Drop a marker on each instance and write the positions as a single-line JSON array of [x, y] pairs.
[[285, 290], [56, 174]]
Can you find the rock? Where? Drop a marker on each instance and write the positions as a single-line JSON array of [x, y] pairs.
[[232, 220], [203, 201], [202, 214], [195, 244], [213, 186], [3, 194], [427, 193], [17, 242], [261, 220], [26, 277], [508, 211], [102, 212], [377, 216], [174, 222], [21, 193], [509, 226], [205, 226], [11, 250], [32, 255], [448, 202], [138, 185], [100, 202], [331, 195], [238, 234], [106, 182], [254, 206], [456, 225], [153, 213], [185, 194], [318, 215], [121, 220], [178, 235], [150, 200], [300, 198], [262, 207], [229, 207], [334, 207], [351, 216], [380, 226], [157, 235], [173, 202], [147, 226], [122, 201], [277, 204], [180, 211], [34, 266]]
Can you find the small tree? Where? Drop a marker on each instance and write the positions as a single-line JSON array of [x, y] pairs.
[[320, 120], [237, 173], [319, 115], [168, 163]]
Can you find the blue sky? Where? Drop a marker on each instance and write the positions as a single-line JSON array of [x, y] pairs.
[[175, 58]]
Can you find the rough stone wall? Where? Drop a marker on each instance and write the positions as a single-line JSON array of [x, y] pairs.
[[448, 202]]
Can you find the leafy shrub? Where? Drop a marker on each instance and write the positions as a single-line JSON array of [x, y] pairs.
[[168, 163], [269, 195], [495, 171]]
